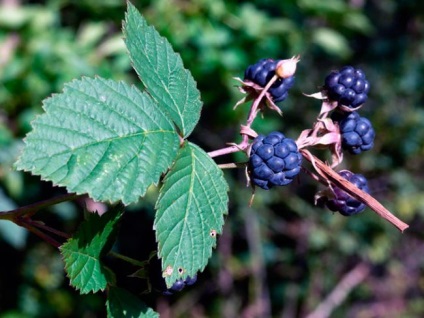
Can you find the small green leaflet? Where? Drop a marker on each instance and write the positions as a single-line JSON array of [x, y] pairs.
[[190, 213], [83, 251], [103, 138], [162, 72], [121, 303]]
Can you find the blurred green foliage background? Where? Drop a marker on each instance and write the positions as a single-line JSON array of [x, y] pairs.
[[283, 256]]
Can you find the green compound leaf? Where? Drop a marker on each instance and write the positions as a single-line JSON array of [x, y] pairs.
[[121, 303], [83, 251], [190, 213], [103, 138], [162, 72]]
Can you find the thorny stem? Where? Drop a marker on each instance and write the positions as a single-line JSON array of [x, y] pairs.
[[23, 222], [226, 150], [232, 165], [30, 210], [354, 191], [254, 110], [47, 228], [22, 217]]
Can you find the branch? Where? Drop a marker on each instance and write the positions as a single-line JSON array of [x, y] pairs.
[[354, 191], [41, 225], [24, 223], [245, 130], [30, 210], [22, 217]]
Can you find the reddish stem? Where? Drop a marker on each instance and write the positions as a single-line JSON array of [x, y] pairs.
[[227, 150], [30, 210], [47, 228], [254, 110], [24, 223]]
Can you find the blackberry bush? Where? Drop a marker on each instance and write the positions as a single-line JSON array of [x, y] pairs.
[[274, 160], [99, 141], [349, 87], [357, 132], [262, 72], [344, 203]]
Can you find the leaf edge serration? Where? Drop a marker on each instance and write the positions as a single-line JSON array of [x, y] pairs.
[[191, 123], [21, 165], [167, 269]]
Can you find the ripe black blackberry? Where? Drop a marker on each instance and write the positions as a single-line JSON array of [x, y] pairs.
[[180, 284], [357, 132], [274, 160], [157, 281], [262, 72], [348, 86], [343, 202]]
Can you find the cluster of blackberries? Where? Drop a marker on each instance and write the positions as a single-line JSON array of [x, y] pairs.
[[348, 86], [180, 284], [343, 202], [274, 160], [262, 72]]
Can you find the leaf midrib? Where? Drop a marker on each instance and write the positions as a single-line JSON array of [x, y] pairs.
[[95, 143], [176, 107]]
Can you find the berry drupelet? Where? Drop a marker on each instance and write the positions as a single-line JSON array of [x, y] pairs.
[[357, 132], [274, 160], [348, 86], [343, 202], [262, 72]]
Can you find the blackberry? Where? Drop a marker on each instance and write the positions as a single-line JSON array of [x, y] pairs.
[[274, 160], [348, 86], [343, 202], [158, 282], [191, 280], [262, 72], [180, 284], [357, 132]]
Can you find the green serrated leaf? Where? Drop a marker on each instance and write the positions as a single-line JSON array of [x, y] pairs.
[[121, 303], [162, 71], [83, 251], [103, 138], [190, 213]]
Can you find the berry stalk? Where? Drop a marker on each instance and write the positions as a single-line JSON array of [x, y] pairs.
[[244, 131], [281, 71], [326, 172]]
